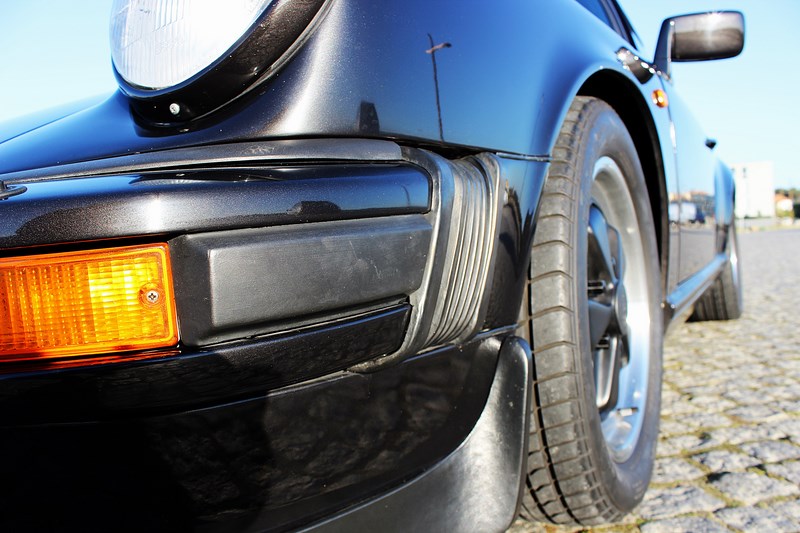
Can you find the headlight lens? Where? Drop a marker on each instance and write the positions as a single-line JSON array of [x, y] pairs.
[[156, 44]]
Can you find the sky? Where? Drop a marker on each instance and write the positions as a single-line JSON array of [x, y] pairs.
[[56, 51]]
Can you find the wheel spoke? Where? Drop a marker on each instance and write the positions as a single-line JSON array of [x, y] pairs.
[[601, 254], [624, 348], [615, 241], [600, 317], [607, 363]]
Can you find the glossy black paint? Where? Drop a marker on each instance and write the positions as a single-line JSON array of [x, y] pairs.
[[169, 203], [270, 462], [197, 377], [492, 93], [478, 497], [523, 187]]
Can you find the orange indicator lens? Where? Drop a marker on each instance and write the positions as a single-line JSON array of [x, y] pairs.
[[660, 98], [83, 303]]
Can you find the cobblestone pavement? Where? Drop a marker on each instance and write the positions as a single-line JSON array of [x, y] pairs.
[[729, 451]]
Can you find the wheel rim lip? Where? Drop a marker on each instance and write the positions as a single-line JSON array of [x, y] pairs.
[[622, 428]]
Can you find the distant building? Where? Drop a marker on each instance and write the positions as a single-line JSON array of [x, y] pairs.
[[755, 189]]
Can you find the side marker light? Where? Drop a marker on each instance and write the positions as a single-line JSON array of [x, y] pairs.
[[660, 98]]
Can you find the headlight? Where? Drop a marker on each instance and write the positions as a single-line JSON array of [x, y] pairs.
[[160, 43], [179, 60]]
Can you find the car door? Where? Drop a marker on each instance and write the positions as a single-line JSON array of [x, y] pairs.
[[693, 206]]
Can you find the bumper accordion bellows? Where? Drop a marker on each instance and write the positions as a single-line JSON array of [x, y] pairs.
[[469, 249]]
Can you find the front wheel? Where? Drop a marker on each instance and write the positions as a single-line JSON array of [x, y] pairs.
[[594, 321]]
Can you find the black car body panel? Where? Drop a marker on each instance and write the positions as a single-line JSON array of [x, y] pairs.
[[366, 53], [122, 205], [351, 240], [272, 461]]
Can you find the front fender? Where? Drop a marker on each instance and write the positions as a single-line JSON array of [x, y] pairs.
[[724, 189]]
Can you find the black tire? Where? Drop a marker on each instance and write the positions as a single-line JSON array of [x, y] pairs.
[[576, 472], [723, 300]]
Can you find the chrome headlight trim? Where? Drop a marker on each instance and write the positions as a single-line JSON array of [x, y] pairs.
[[263, 48], [158, 44]]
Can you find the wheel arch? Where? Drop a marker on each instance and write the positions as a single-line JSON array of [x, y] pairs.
[[627, 101]]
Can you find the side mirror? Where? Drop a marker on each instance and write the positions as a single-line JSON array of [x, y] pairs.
[[699, 37]]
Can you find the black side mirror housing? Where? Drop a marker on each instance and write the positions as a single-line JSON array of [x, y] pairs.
[[699, 37]]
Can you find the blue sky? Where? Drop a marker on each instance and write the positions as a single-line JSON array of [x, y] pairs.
[[56, 51]]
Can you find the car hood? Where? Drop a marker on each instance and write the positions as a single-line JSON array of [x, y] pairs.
[[20, 125]]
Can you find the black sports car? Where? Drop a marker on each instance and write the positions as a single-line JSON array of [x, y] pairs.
[[347, 265]]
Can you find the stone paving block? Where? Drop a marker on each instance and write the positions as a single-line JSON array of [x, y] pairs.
[[757, 413], [789, 406], [757, 370], [696, 421], [757, 520], [789, 470], [691, 378], [748, 433], [680, 408], [667, 503], [679, 444], [669, 394], [669, 426], [672, 469], [790, 509], [703, 391], [779, 381], [734, 378], [712, 403], [726, 461], [789, 392], [786, 364], [790, 428], [745, 396], [751, 488], [772, 451], [695, 524]]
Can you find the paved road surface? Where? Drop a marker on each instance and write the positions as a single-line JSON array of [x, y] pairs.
[[729, 452]]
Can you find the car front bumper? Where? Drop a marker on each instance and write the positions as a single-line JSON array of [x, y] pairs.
[[438, 439]]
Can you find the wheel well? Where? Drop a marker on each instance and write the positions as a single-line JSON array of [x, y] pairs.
[[618, 92]]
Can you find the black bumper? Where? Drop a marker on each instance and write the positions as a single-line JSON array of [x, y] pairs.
[[438, 437], [324, 389]]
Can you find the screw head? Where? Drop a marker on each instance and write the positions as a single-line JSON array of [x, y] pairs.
[[175, 108], [151, 295]]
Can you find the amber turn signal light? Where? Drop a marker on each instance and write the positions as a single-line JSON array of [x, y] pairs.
[[660, 98], [85, 303]]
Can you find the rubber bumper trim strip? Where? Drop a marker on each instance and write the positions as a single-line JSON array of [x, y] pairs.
[[233, 284]]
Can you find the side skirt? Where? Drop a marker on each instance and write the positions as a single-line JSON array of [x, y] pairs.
[[679, 303]]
